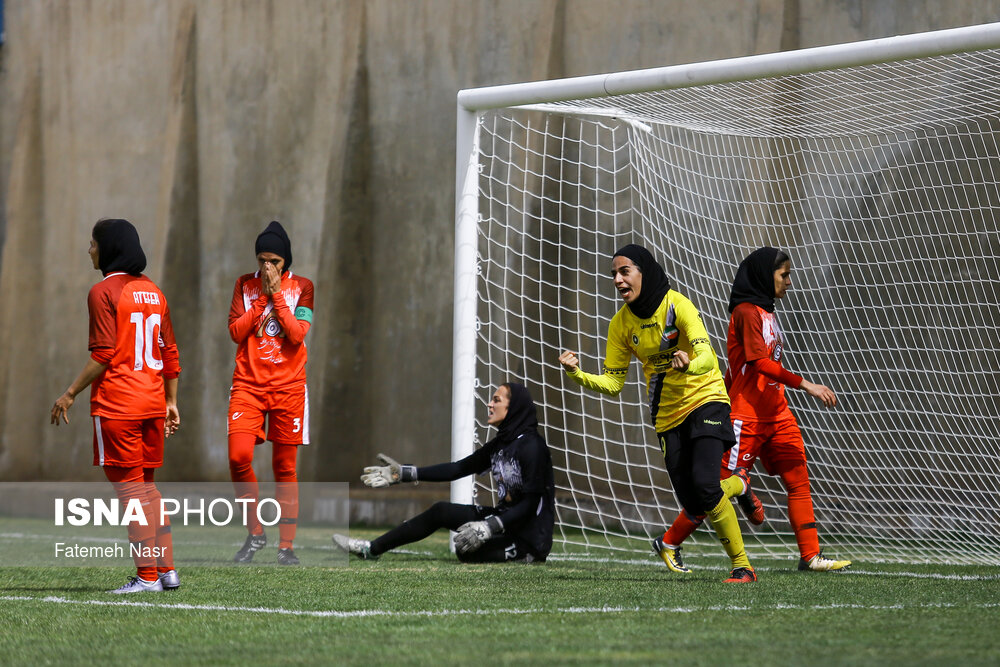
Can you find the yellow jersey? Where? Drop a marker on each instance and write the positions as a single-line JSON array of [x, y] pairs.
[[671, 395]]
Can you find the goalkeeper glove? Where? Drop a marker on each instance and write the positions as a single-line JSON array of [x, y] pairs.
[[473, 535], [389, 473]]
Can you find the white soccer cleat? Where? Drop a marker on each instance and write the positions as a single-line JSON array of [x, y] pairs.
[[170, 580], [820, 563], [352, 545], [137, 585]]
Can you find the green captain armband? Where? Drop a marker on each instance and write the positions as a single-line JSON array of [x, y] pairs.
[[304, 314]]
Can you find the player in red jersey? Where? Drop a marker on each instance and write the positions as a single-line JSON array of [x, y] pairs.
[[132, 372], [764, 425], [269, 317]]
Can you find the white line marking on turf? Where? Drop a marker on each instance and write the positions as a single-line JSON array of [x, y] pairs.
[[365, 613], [652, 561]]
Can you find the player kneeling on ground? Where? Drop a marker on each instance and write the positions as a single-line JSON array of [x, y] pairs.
[[519, 528]]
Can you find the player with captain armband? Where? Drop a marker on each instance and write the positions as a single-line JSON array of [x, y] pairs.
[[269, 318], [518, 528]]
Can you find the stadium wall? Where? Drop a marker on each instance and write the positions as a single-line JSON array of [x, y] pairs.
[[201, 122]]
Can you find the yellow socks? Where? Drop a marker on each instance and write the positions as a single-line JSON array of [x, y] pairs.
[[732, 486], [727, 527]]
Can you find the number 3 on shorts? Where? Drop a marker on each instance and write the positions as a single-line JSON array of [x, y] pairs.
[[298, 425]]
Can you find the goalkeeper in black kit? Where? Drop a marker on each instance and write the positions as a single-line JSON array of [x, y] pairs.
[[518, 529]]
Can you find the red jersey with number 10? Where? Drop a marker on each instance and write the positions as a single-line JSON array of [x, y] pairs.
[[130, 332], [753, 335]]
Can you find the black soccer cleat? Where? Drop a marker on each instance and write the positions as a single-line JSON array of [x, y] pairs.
[[253, 544], [287, 557]]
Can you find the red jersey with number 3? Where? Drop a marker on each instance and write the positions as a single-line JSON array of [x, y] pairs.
[[270, 345], [130, 332], [754, 334]]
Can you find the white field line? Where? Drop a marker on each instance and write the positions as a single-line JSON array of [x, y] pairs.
[[367, 613], [652, 561]]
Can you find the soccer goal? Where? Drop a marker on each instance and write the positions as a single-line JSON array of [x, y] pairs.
[[875, 165]]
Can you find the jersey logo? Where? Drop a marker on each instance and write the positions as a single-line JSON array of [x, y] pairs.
[[635, 340], [270, 327], [237, 415]]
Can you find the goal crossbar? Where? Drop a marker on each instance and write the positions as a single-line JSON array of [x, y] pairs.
[[785, 63]]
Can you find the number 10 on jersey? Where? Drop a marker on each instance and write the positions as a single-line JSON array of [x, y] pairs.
[[147, 334]]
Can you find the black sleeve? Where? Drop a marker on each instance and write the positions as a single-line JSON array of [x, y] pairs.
[[473, 464], [536, 465], [516, 514]]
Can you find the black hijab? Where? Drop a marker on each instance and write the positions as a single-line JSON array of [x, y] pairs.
[[754, 281], [521, 414], [655, 283], [275, 239], [118, 247]]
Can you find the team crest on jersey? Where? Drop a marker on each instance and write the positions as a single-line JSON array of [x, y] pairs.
[[270, 327], [635, 339]]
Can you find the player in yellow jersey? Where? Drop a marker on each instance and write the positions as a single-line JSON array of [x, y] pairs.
[[688, 403]]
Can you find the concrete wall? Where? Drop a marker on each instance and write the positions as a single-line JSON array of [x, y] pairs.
[[202, 121]]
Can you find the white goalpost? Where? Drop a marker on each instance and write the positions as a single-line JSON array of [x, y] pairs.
[[874, 165]]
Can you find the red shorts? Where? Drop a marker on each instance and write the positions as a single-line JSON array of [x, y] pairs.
[[287, 412], [778, 444], [128, 443]]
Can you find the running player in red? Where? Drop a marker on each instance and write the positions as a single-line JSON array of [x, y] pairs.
[[132, 372], [764, 425], [269, 317]]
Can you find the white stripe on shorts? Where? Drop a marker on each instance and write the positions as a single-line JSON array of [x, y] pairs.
[[734, 451], [305, 417], [100, 440]]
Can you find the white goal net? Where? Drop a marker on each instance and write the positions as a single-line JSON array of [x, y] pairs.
[[881, 181]]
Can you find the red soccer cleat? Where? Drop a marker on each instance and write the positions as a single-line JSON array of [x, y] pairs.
[[742, 575], [749, 503]]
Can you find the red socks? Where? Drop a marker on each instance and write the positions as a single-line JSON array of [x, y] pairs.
[[283, 460], [681, 528], [128, 484]]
